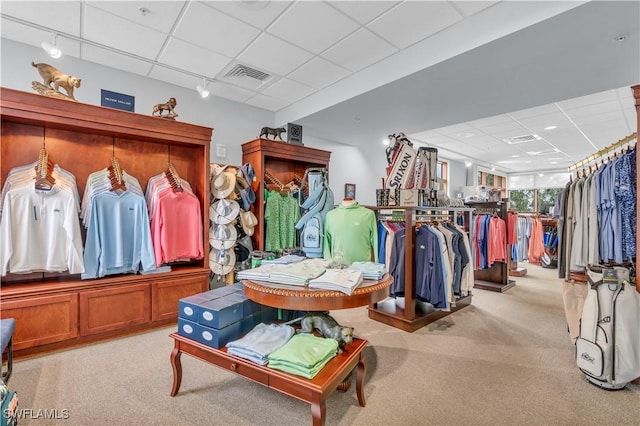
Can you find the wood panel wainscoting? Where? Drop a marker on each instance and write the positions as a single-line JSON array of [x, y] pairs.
[[55, 310]]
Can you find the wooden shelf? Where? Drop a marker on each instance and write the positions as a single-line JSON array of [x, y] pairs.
[[390, 313], [57, 310], [283, 160]]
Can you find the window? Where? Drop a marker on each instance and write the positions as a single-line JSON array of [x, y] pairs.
[[521, 200], [534, 200]]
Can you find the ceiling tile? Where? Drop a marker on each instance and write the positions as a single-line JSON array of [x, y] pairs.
[[595, 98], [58, 15], [413, 21], [539, 122], [454, 129], [162, 14], [318, 73], [110, 30], [193, 58], [469, 8], [288, 90], [534, 112], [312, 25], [114, 60], [33, 37], [359, 50], [594, 109], [490, 121], [230, 92], [174, 77], [209, 28], [267, 102], [257, 13], [267, 53], [364, 11]]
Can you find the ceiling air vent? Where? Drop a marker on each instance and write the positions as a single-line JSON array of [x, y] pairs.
[[522, 139], [244, 71]]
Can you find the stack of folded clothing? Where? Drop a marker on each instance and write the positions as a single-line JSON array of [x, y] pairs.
[[370, 270], [344, 280], [261, 273], [284, 260], [304, 355], [299, 274], [257, 344]]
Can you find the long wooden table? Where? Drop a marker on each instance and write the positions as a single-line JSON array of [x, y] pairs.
[[314, 391]]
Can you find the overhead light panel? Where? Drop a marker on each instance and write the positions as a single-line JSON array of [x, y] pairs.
[[202, 90], [51, 49]]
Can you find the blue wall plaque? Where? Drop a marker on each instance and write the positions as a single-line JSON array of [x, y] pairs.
[[117, 100]]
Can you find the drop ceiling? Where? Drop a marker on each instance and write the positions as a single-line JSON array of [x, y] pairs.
[[463, 76]]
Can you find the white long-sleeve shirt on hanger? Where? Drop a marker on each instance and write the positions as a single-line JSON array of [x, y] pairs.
[[40, 232]]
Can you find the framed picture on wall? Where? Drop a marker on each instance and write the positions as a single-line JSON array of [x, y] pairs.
[[350, 190]]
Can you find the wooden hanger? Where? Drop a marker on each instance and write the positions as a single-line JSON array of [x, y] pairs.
[[44, 170], [174, 179], [116, 176]]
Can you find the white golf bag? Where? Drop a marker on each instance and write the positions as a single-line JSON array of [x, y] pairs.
[[608, 347]]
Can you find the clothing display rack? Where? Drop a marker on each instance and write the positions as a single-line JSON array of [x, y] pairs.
[[607, 151], [407, 318], [514, 269], [636, 94], [55, 310], [277, 163], [496, 277], [584, 168]]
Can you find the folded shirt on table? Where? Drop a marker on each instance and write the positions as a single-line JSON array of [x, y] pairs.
[[370, 270], [343, 280], [262, 340], [304, 355]]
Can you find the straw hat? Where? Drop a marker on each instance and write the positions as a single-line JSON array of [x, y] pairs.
[[224, 211], [222, 237], [248, 221], [223, 182], [221, 262]]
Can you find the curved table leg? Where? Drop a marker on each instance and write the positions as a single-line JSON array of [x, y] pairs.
[[318, 411], [362, 369], [177, 370]]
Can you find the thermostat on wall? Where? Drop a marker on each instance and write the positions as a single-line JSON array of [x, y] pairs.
[[221, 151]]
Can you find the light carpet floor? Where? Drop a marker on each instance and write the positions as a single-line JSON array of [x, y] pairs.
[[505, 360]]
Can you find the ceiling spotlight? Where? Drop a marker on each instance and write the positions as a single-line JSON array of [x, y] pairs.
[[144, 11], [620, 38], [493, 168], [540, 174], [51, 49], [202, 90], [467, 163], [550, 127], [385, 142]]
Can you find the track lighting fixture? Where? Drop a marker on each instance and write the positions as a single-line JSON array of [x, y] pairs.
[[51, 49], [202, 89]]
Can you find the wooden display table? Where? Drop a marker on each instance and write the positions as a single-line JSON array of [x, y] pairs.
[[305, 299], [314, 391]]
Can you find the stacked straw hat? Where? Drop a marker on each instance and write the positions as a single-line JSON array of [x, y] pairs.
[[230, 216]]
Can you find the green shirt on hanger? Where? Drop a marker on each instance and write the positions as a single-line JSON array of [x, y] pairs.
[[350, 234]]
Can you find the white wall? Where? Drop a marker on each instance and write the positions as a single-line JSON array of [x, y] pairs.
[[351, 164], [457, 176], [233, 123]]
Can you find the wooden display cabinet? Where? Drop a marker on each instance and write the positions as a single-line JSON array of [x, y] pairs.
[[54, 310], [284, 161]]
